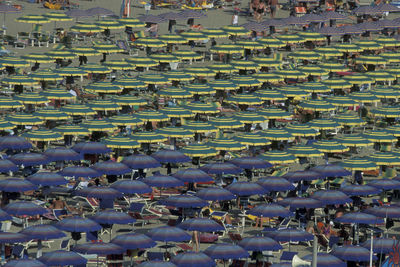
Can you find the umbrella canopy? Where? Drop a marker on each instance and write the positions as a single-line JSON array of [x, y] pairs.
[[326, 260], [352, 253], [170, 156], [79, 171], [47, 179], [14, 142], [275, 184], [24, 262], [198, 150], [359, 190], [131, 187], [221, 168], [331, 170], [385, 184], [99, 192], [110, 217], [291, 235], [215, 194], [16, 185], [359, 217], [99, 248], [156, 264], [184, 201], [21, 208], [300, 202], [246, 189], [6, 166], [133, 241], [332, 197], [42, 232], [225, 251], [251, 163], [303, 176], [278, 157], [385, 211], [42, 135], [29, 159], [91, 148], [259, 243], [380, 245], [201, 225], [191, 175], [140, 161], [270, 210], [358, 164], [77, 224], [61, 258], [111, 168], [194, 259], [162, 181], [168, 234]]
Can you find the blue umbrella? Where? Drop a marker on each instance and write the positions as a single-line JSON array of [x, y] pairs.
[[99, 248], [385, 184], [29, 159], [10, 238], [192, 259], [47, 179], [221, 168], [99, 192], [109, 217], [16, 185], [215, 194], [42, 232], [291, 235], [192, 175], [7, 166], [246, 189], [326, 260], [99, 11], [20, 208], [4, 216], [62, 258], [77, 224], [226, 251], [134, 241], [282, 264], [301, 202], [170, 156], [156, 264], [380, 245], [352, 253], [270, 210], [131, 187], [168, 234], [78, 171], [251, 163], [303, 176], [91, 148], [385, 211], [14, 142], [140, 161], [24, 263], [275, 184], [359, 190], [259, 243], [62, 154], [163, 181], [332, 197], [331, 170], [184, 201], [359, 217], [111, 168], [201, 225]]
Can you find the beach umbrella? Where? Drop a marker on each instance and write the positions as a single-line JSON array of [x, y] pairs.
[[33, 19], [225, 251], [236, 30], [331, 170], [226, 49], [263, 61], [300, 202], [384, 212], [199, 71], [364, 97], [61, 54], [332, 197], [246, 189], [140, 161], [79, 171], [184, 201], [31, 98], [380, 245], [329, 51], [148, 137], [193, 35], [47, 179], [10, 238], [125, 100], [175, 112], [349, 120], [55, 16], [215, 33], [176, 93], [192, 175], [29, 159], [37, 58], [97, 69], [270, 95], [250, 163], [379, 137], [14, 142], [316, 105], [131, 187], [105, 105], [358, 79], [301, 130], [387, 112], [224, 144], [305, 55], [275, 113], [272, 42], [391, 57], [326, 260], [341, 101], [153, 79], [99, 126], [143, 62], [132, 241], [170, 156], [24, 208], [61, 258], [7, 166], [175, 132], [109, 217], [91, 148], [99, 192], [348, 48], [358, 164], [250, 117], [71, 130], [201, 225], [337, 83], [385, 184], [111, 168], [149, 42], [215, 194], [359, 217], [352, 253], [330, 146], [187, 55], [359, 190], [42, 135], [194, 259], [291, 235], [4, 125], [259, 243], [98, 248], [124, 120], [291, 74], [178, 76], [70, 71], [57, 94], [15, 62], [103, 87], [290, 38], [316, 71], [118, 65], [164, 58], [245, 65], [7, 102], [168, 234], [278, 157], [223, 85], [249, 44], [86, 28], [24, 262], [324, 124], [275, 184], [198, 150], [199, 89], [305, 175], [16, 185], [156, 264], [386, 93], [269, 211], [369, 44], [42, 232], [77, 110], [242, 99], [162, 181], [110, 24], [226, 123], [293, 91], [77, 224], [384, 159], [221, 168], [200, 127]]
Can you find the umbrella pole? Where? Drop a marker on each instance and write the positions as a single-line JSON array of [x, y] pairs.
[[371, 253], [39, 249]]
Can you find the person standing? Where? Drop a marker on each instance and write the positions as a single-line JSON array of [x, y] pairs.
[[235, 18], [273, 4]]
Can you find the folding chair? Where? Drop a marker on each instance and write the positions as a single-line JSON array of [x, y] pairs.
[[333, 240], [18, 251], [65, 244], [287, 255]]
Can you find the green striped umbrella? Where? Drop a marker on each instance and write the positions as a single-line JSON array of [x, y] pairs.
[[99, 126], [125, 100], [244, 99], [291, 74], [7, 102], [304, 55], [313, 70], [103, 87], [328, 51], [246, 81], [316, 105], [143, 62], [380, 137], [277, 134], [364, 97], [107, 48], [42, 135], [250, 117], [86, 28], [61, 54], [95, 68], [151, 116], [78, 110], [175, 75], [193, 36], [279, 157], [13, 62], [104, 105], [177, 112], [348, 48], [55, 16], [324, 124], [395, 130], [275, 113], [51, 114], [249, 44], [267, 61], [358, 79], [33, 19], [199, 89], [311, 36], [153, 79], [270, 95], [330, 146], [223, 85], [19, 80], [110, 24], [202, 108], [272, 42], [333, 66], [72, 130], [70, 71], [129, 83], [174, 93], [199, 127], [121, 142], [225, 144], [187, 55], [349, 120], [341, 101], [236, 30], [303, 130], [384, 159], [37, 58], [315, 87], [358, 164], [172, 39], [149, 42], [387, 41], [386, 93], [226, 123], [118, 65], [245, 65], [125, 120], [149, 137], [31, 98], [381, 76], [198, 151], [46, 75], [227, 49], [394, 71], [369, 45], [293, 91], [265, 77], [164, 58], [4, 125], [391, 57], [132, 22], [354, 141], [251, 139], [215, 33], [175, 132], [24, 119], [371, 59], [200, 71], [290, 38], [305, 151]]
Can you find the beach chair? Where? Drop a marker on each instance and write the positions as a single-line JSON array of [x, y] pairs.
[[127, 48], [235, 237], [300, 10], [333, 241], [65, 244], [288, 255], [238, 263], [18, 251], [155, 256], [22, 40]]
